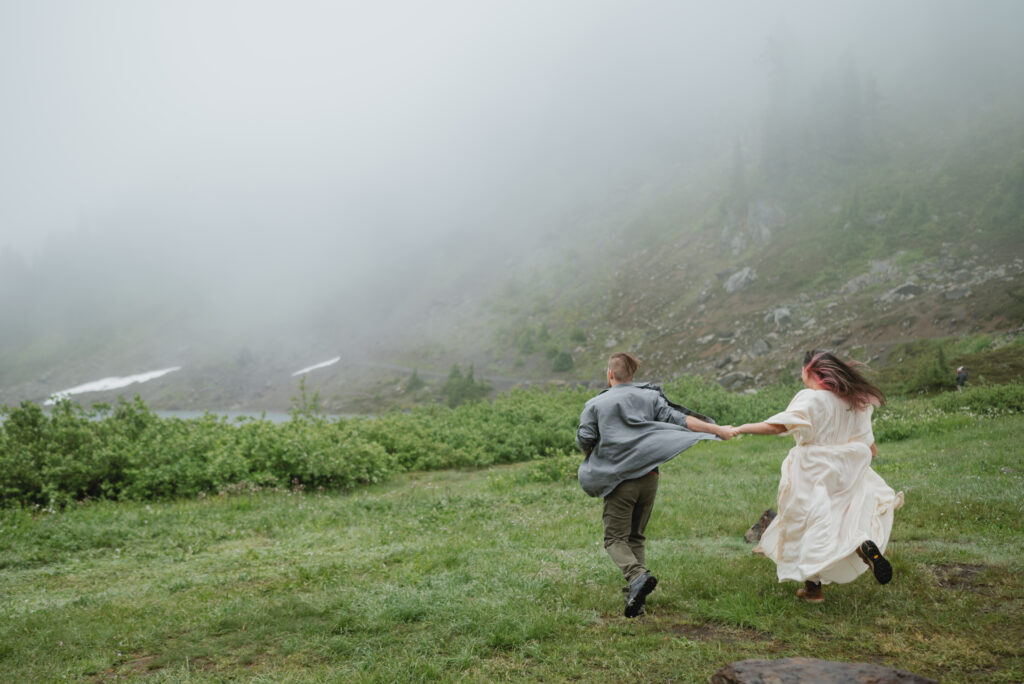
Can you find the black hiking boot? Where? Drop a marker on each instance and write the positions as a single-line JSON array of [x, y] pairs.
[[638, 591], [869, 553]]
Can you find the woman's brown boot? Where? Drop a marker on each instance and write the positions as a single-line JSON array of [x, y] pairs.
[[811, 592]]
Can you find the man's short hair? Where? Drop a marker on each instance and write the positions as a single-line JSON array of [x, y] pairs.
[[623, 365]]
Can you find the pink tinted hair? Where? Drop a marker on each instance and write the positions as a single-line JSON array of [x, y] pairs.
[[843, 379]]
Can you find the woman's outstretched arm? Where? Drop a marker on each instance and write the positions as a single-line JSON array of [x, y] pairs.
[[759, 429]]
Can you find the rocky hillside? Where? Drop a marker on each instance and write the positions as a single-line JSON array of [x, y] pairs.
[[908, 254], [734, 285]]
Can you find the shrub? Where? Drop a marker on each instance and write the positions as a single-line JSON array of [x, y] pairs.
[[415, 382], [129, 452], [562, 362], [459, 388]]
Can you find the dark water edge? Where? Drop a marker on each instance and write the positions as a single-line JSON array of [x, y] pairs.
[[230, 416]]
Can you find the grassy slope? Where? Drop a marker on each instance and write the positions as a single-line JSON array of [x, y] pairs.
[[499, 574]]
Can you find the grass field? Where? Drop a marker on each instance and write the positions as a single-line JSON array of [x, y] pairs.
[[499, 574]]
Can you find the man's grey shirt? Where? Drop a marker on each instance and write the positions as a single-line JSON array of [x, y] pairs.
[[630, 430]]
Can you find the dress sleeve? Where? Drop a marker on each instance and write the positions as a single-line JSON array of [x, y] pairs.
[[797, 416]]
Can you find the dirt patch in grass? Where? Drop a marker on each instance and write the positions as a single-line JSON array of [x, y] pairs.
[[958, 575], [141, 666], [137, 666], [720, 633]]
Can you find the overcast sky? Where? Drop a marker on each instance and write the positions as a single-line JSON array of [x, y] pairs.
[[362, 123]]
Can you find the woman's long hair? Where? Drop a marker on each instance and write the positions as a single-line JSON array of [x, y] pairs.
[[842, 379]]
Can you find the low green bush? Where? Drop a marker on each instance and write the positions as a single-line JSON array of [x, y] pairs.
[[128, 452], [729, 408], [905, 418]]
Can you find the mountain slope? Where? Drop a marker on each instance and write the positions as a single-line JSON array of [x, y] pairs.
[[728, 269]]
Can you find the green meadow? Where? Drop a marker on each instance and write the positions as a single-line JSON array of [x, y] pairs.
[[492, 573]]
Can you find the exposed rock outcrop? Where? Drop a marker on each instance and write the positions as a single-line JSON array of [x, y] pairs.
[[781, 316], [901, 293], [736, 380], [760, 348], [740, 280], [879, 272]]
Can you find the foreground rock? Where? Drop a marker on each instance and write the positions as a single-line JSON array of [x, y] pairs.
[[812, 671]]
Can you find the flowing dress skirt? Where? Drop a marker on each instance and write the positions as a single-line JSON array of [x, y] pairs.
[[829, 501]]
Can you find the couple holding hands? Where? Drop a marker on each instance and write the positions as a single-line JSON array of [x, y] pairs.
[[835, 513]]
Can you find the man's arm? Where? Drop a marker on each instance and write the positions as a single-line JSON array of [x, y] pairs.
[[663, 413], [587, 433], [666, 414], [696, 425]]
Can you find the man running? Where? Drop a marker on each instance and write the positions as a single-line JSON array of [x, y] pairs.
[[627, 432]]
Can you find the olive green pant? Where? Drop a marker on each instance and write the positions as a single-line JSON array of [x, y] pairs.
[[626, 512]]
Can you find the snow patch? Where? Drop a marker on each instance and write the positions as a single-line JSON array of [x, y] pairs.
[[109, 384], [323, 364]]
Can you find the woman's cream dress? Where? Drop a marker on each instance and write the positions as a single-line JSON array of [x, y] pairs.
[[830, 500]]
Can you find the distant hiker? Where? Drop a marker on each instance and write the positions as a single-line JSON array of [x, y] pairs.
[[834, 512], [626, 432], [961, 378]]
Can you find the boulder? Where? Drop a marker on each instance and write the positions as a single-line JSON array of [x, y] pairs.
[[958, 293], [880, 272], [735, 380], [763, 217], [904, 291], [812, 671], [740, 280], [781, 316], [760, 348], [855, 284]]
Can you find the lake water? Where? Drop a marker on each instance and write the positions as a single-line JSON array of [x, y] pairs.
[[232, 416]]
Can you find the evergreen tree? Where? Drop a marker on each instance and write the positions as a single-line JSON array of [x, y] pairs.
[[459, 388], [414, 382]]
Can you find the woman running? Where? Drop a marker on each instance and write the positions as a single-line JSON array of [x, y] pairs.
[[835, 513]]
